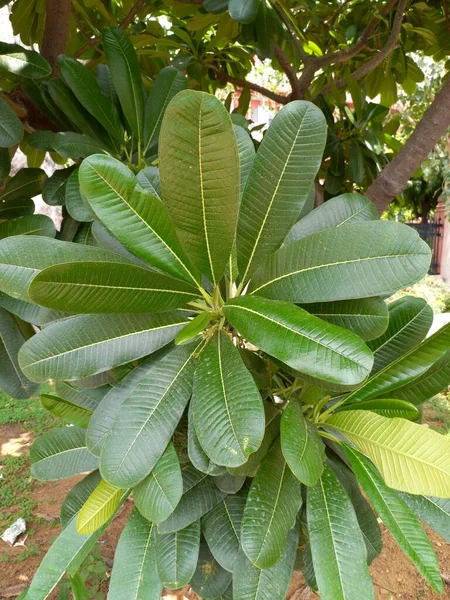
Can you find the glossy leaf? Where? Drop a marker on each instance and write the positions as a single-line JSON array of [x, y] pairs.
[[197, 139], [411, 458], [26, 183], [101, 505], [244, 11], [78, 495], [301, 340], [337, 546], [432, 382], [335, 212], [151, 411], [193, 328], [11, 128], [272, 505], [135, 217], [210, 580], [291, 152], [246, 150], [157, 496], [386, 407], [134, 574], [66, 410], [75, 145], [302, 447], [177, 555], [75, 205], [28, 225], [401, 522], [196, 454], [61, 453], [85, 345], [149, 179], [435, 512], [23, 62], [228, 413], [359, 260]]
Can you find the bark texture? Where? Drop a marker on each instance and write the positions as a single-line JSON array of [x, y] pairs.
[[56, 31]]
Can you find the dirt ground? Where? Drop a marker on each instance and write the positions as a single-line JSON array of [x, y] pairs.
[[394, 575]]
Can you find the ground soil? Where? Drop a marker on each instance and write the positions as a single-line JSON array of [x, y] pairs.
[[394, 575]]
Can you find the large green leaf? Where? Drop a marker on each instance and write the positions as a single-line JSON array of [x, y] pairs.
[[386, 407], [75, 145], [126, 76], [406, 369], [222, 530], [151, 411], [177, 555], [28, 225], [251, 583], [135, 217], [11, 128], [337, 546], [12, 380], [272, 505], [30, 313], [85, 87], [409, 321], [196, 454], [16, 208], [101, 505], [169, 82], [228, 413], [149, 179], [244, 11], [54, 189], [72, 413], [75, 205], [84, 398], [78, 495], [300, 340], [358, 260], [23, 62], [279, 183], [85, 345], [26, 183], [367, 317], [302, 447], [246, 150], [398, 518], [210, 580], [134, 574], [435, 512], [338, 211], [197, 140], [61, 453], [411, 458], [200, 495], [228, 483], [435, 379], [157, 496], [108, 287]]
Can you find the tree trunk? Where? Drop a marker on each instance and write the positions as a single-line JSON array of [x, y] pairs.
[[56, 31], [393, 178]]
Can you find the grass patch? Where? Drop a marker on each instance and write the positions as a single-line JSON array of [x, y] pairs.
[[436, 413], [30, 413]]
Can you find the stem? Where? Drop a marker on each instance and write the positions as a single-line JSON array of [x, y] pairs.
[[329, 436]]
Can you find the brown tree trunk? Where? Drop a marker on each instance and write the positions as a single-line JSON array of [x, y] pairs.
[[56, 31], [393, 178]]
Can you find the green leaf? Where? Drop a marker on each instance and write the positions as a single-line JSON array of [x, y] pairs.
[[193, 328], [230, 484], [302, 447], [77, 496], [367, 317], [197, 139], [406, 369], [151, 411], [200, 495], [126, 75], [54, 190], [196, 454], [222, 530], [5, 163], [338, 211], [177, 555], [75, 205], [22, 258], [86, 89], [432, 382], [61, 453], [228, 428], [12, 380], [409, 321], [157, 496], [135, 217], [210, 580], [23, 62], [398, 518], [338, 552], [11, 128], [85, 345], [435, 512], [358, 260], [244, 11], [291, 151], [66, 410], [272, 504], [250, 583], [26, 183], [134, 574], [66, 554], [75, 145], [149, 180], [386, 407], [28, 225], [411, 458], [301, 340], [101, 505], [108, 287], [16, 208], [169, 82], [246, 150], [85, 398]]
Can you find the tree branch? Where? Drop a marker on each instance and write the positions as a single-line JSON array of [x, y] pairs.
[[243, 83], [289, 71], [56, 31], [394, 177]]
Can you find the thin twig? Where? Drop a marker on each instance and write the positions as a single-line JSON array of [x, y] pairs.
[[243, 83], [289, 71]]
